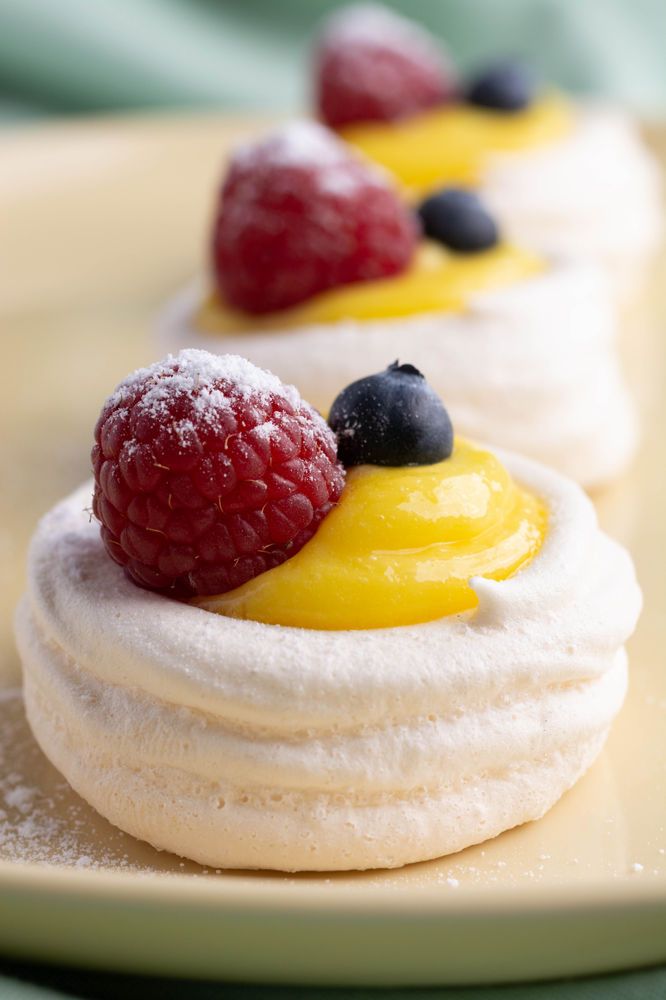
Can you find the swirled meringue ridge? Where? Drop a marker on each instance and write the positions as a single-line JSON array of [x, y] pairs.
[[244, 745]]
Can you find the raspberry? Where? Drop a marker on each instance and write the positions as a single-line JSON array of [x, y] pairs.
[[209, 471], [301, 213], [373, 65]]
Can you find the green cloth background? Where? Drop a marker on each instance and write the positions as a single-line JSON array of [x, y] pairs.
[[63, 56], [74, 56]]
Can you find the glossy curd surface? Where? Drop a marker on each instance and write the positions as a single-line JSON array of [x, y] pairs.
[[438, 280], [452, 144], [400, 548]]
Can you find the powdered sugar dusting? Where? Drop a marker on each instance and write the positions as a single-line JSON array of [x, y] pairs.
[[198, 373], [211, 382], [309, 145], [372, 25], [42, 821], [298, 143]]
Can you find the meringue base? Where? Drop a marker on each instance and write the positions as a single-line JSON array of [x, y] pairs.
[[241, 745], [224, 826]]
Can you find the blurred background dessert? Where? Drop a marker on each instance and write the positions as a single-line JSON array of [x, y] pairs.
[[320, 272], [583, 181], [555, 170]]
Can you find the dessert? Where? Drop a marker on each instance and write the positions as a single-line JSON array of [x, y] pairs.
[[329, 741], [320, 273], [562, 176]]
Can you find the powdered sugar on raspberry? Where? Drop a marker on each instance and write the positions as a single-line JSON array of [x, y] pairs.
[[209, 471], [300, 213], [197, 374], [307, 144], [374, 25], [298, 143], [373, 65], [194, 373]]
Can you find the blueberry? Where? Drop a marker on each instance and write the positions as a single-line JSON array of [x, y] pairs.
[[392, 418], [506, 86], [458, 219]]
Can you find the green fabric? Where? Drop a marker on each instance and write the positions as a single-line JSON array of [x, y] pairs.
[[42, 983], [82, 55]]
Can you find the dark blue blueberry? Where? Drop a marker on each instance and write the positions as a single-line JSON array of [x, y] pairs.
[[506, 86], [392, 418], [457, 219]]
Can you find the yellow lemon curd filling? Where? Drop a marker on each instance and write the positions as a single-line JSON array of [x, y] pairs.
[[452, 144], [399, 548], [437, 280]]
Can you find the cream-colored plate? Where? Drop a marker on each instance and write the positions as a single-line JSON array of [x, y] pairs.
[[101, 221]]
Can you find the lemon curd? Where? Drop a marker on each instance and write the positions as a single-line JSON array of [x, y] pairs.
[[437, 280], [452, 144], [399, 548]]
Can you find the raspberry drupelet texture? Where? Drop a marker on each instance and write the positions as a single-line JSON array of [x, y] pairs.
[[209, 471], [299, 214], [373, 65]]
